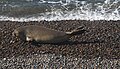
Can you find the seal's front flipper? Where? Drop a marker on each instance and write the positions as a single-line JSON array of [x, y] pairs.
[[29, 38]]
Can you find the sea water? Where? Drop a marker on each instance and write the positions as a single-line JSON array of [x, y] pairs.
[[55, 10]]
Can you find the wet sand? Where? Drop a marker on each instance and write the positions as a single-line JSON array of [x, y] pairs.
[[100, 43]]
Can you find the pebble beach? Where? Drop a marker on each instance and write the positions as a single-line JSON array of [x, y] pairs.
[[98, 47]]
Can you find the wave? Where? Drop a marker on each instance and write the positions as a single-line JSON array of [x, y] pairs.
[[56, 10]]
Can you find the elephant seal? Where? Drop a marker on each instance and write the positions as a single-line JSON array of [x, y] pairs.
[[44, 35]]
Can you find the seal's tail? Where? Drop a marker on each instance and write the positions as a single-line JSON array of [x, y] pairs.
[[76, 31]]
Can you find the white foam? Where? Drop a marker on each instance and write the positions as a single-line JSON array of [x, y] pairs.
[[101, 12], [29, 0], [71, 15]]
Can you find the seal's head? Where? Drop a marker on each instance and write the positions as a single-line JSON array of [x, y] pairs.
[[19, 33]]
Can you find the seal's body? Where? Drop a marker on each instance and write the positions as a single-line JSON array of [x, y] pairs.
[[44, 35]]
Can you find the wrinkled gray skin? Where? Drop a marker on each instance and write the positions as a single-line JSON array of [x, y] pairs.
[[41, 34]]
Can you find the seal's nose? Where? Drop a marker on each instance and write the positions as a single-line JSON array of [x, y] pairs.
[[13, 34]]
